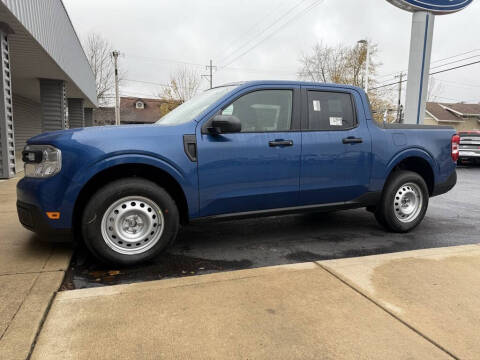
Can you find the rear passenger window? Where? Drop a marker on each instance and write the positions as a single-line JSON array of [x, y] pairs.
[[330, 111]]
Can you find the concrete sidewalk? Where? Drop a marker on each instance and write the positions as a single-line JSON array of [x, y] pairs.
[[30, 273], [434, 291], [420, 304]]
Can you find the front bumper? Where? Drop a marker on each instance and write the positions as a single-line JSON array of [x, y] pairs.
[[34, 220], [442, 188]]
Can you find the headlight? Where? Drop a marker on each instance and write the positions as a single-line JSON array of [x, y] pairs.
[[41, 161]]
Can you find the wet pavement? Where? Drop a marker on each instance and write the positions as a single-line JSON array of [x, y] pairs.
[[202, 248]]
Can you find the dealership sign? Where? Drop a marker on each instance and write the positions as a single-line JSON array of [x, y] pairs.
[[423, 20], [437, 7]]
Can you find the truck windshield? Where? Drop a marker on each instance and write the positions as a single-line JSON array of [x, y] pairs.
[[194, 107]]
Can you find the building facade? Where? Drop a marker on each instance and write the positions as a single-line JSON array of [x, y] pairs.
[[135, 110], [463, 117], [47, 83]]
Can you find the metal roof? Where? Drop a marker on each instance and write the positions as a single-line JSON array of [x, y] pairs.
[[45, 45]]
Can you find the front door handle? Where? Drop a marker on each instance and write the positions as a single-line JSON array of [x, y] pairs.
[[280, 143], [352, 140]]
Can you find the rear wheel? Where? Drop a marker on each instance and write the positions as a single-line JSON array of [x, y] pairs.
[[129, 221], [404, 202]]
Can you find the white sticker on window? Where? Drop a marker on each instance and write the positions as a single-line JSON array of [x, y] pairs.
[[336, 121], [316, 105]]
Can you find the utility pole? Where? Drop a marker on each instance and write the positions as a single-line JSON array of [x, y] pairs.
[[210, 75], [117, 96], [399, 105]]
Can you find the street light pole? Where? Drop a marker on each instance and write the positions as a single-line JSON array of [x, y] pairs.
[[117, 96], [399, 106], [367, 63]]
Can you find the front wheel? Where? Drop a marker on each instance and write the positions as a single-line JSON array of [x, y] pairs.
[[129, 221], [404, 202]]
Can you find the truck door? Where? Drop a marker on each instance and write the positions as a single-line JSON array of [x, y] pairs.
[[336, 154], [259, 167]]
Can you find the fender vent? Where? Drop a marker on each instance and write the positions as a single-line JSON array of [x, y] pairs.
[[190, 146]]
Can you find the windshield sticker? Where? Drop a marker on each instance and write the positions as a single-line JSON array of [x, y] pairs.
[[316, 105], [336, 121]]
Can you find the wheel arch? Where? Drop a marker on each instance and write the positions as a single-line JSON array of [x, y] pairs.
[[418, 162], [126, 170]]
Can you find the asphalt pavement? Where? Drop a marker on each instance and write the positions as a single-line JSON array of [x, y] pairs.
[[202, 248]]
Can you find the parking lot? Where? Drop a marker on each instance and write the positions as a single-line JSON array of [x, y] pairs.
[[452, 219]]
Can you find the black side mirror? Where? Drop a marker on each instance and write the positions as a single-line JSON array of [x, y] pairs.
[[224, 124]]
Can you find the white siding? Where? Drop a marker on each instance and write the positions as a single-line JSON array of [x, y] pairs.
[[49, 24]]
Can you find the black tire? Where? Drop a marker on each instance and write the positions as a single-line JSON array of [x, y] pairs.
[[388, 215], [378, 215], [380, 219], [101, 202]]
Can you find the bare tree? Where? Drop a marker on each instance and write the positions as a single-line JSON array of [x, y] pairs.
[[346, 65], [183, 85], [99, 54], [337, 64]]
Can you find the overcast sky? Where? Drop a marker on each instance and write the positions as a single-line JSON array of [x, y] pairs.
[[156, 36]]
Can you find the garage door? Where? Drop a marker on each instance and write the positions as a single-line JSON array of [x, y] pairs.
[[26, 123]]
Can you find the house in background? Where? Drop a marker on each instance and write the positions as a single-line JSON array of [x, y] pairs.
[[463, 117], [135, 111]]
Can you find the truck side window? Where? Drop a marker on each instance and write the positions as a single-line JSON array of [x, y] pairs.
[[263, 110], [330, 111]]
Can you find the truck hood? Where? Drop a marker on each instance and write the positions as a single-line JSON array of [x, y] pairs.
[[107, 133]]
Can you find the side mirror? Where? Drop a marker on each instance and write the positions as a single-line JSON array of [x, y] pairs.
[[224, 124]]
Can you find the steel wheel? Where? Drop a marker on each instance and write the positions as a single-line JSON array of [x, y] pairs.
[[408, 202], [132, 225]]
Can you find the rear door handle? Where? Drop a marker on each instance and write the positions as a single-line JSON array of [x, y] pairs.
[[280, 143], [352, 140]]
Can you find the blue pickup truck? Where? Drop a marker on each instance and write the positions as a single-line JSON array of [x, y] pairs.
[[248, 149]]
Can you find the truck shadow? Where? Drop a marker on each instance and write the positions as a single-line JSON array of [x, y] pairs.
[[208, 247]]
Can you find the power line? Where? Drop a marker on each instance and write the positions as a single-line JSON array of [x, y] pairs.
[[435, 61], [456, 61], [153, 59], [434, 73], [299, 14], [449, 63], [454, 56], [273, 71], [147, 82], [456, 67], [154, 83], [245, 35], [316, 3], [261, 32], [165, 60]]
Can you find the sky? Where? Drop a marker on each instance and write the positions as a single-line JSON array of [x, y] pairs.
[[264, 39]]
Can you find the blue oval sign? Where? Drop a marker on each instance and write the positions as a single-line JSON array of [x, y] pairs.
[[437, 7]]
